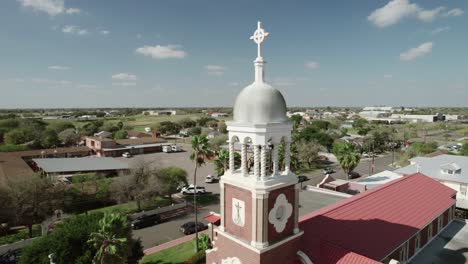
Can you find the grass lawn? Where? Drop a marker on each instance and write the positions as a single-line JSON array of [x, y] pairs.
[[22, 234], [173, 255], [131, 207]]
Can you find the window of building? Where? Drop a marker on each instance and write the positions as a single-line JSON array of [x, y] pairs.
[[463, 189], [417, 242], [440, 223], [404, 252], [429, 231]]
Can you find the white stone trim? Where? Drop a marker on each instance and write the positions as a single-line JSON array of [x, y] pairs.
[[287, 210], [304, 258], [256, 250]]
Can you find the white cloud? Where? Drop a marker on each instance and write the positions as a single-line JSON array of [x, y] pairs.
[[414, 53], [396, 10], [124, 76], [72, 11], [139, 36], [440, 30], [215, 69], [393, 12], [58, 67], [124, 84], [388, 76], [430, 15], [455, 12], [312, 65], [74, 30], [104, 32], [162, 52], [51, 7]]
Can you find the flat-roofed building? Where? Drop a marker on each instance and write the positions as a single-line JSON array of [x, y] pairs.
[[73, 166]]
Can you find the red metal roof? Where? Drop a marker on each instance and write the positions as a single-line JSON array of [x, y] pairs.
[[376, 222], [332, 254], [213, 218]]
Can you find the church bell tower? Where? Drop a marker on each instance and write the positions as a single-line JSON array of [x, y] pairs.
[[259, 200]]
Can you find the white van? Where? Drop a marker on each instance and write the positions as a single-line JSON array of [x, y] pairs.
[[176, 148], [167, 149]]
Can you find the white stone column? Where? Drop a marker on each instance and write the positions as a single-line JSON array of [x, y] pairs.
[[222, 202], [275, 159], [287, 157], [231, 156], [263, 159], [244, 159], [256, 161]]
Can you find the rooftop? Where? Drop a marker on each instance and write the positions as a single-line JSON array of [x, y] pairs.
[[55, 165], [357, 223], [378, 179], [432, 167]]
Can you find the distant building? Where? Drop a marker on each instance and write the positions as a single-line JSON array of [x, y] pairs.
[[450, 170], [103, 134], [114, 148], [216, 114], [160, 112]]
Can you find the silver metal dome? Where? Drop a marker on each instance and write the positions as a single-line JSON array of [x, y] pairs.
[[260, 103]]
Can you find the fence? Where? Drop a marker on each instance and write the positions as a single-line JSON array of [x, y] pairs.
[[160, 210]]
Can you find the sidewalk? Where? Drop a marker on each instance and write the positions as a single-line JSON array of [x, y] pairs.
[[172, 243]]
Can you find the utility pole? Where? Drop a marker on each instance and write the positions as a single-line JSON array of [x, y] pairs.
[[373, 157]]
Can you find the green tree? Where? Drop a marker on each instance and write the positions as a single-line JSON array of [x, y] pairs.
[[464, 149], [221, 161], [18, 136], [139, 181], [194, 131], [202, 121], [69, 137], [120, 125], [49, 139], [170, 178], [200, 152], [222, 127], [296, 120], [347, 156], [111, 239], [204, 242], [31, 199], [121, 134], [217, 142], [307, 152], [68, 243], [60, 126], [187, 123]]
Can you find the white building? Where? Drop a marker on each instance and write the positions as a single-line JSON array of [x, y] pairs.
[[160, 112], [451, 170]]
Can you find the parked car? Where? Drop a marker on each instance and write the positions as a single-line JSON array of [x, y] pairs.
[[353, 175], [191, 190], [328, 171], [167, 149], [211, 178], [127, 155], [10, 257], [176, 148], [145, 221], [189, 227], [302, 178]]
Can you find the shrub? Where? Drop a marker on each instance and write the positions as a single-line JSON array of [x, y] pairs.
[[197, 258]]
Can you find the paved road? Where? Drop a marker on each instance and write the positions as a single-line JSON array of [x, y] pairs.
[[380, 164], [165, 232], [179, 159]]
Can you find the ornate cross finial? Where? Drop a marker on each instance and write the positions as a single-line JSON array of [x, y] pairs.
[[258, 37]]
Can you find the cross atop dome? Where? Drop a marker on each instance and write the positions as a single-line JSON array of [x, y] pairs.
[[258, 37]]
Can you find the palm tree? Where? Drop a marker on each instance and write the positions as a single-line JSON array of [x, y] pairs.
[[200, 152], [347, 156], [221, 162], [111, 240]]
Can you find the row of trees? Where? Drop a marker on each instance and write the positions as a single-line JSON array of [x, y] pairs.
[[95, 238], [194, 126]]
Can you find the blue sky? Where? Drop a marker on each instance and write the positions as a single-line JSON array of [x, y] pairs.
[[148, 53]]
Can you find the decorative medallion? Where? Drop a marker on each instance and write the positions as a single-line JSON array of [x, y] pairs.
[[232, 260], [280, 213], [238, 212]]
